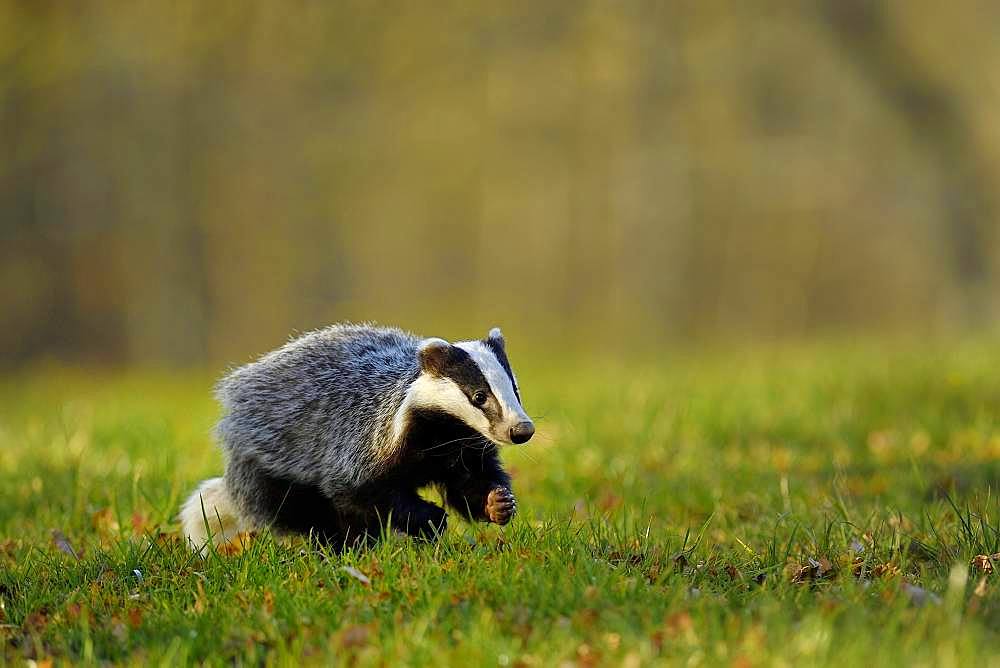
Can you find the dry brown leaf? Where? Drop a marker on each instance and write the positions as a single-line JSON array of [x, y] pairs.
[[983, 563], [354, 636], [609, 500], [374, 568], [678, 623], [586, 617], [104, 522], [587, 656], [886, 570], [268, 601], [73, 611], [37, 620], [135, 617], [238, 544], [7, 547], [139, 522], [811, 571], [199, 598]]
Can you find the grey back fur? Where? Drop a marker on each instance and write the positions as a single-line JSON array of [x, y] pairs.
[[320, 409]]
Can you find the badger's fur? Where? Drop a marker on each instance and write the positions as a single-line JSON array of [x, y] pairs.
[[334, 433]]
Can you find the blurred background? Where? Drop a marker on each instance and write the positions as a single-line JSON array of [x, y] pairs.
[[186, 183]]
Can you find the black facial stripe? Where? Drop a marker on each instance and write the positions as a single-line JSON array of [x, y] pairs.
[[461, 368], [501, 356]]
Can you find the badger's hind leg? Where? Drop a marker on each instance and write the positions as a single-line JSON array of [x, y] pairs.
[[286, 505], [211, 514]]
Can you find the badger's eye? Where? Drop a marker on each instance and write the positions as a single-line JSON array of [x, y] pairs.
[[478, 398]]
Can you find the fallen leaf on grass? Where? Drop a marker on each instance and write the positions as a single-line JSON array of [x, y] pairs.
[[984, 563], [865, 571], [139, 522], [587, 656], [7, 548], [61, 542], [269, 601], [357, 575], [166, 538], [676, 625], [886, 570], [238, 544], [74, 611], [679, 622], [199, 598], [374, 568], [811, 571], [37, 620], [104, 522], [354, 636], [586, 617], [609, 501]]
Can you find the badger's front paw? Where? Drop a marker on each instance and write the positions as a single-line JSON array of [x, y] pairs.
[[500, 505]]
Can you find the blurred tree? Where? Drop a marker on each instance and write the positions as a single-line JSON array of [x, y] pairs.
[[185, 182], [934, 116]]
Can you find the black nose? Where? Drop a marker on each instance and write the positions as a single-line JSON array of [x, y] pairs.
[[522, 432]]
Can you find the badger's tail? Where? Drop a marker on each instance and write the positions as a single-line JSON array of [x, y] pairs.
[[211, 515]]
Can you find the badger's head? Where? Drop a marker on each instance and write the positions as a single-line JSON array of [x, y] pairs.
[[472, 381]]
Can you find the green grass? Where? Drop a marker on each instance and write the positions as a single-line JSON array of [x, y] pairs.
[[671, 511]]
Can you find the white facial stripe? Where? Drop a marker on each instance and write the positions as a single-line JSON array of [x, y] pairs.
[[498, 379], [443, 394]]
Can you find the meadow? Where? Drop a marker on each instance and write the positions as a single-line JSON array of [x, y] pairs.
[[825, 504]]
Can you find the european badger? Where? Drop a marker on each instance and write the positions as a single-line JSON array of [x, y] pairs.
[[333, 434]]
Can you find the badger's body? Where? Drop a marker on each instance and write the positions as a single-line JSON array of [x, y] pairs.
[[334, 433]]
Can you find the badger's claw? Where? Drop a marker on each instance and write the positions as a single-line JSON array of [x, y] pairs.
[[500, 505]]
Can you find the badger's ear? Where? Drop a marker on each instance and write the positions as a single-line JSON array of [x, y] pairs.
[[496, 336], [433, 353]]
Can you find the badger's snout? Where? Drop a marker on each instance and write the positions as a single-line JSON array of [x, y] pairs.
[[522, 432]]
